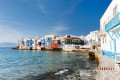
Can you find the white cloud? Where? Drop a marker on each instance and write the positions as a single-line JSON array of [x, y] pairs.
[[37, 3], [2, 21], [8, 34], [71, 9], [60, 28], [42, 8]]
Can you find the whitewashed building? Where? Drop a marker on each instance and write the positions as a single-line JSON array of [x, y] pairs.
[[83, 38], [72, 43], [36, 45], [93, 40], [42, 43], [48, 38], [30, 43], [20, 44], [110, 29], [93, 37]]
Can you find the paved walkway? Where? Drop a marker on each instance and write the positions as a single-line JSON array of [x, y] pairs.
[[106, 69]]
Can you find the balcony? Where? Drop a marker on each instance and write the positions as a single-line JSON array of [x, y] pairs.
[[113, 23]]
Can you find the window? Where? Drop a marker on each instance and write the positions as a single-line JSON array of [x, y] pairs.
[[104, 24], [115, 11], [103, 40]]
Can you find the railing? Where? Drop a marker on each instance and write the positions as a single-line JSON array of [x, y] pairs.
[[77, 43], [110, 54], [113, 23]]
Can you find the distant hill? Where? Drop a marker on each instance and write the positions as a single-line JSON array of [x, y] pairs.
[[6, 44]]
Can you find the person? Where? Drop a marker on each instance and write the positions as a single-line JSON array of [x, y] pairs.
[[102, 52]]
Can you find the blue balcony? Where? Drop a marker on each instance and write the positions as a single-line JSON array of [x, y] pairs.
[[113, 23]]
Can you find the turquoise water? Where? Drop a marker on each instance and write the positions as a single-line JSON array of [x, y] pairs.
[[19, 64]]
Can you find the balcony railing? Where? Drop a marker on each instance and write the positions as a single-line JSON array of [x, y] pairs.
[[113, 23]]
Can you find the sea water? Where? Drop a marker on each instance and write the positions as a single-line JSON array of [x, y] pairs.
[[24, 64]]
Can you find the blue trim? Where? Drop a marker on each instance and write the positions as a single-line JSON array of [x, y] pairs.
[[110, 46], [118, 33], [114, 26], [110, 36], [115, 45], [115, 34], [31, 41]]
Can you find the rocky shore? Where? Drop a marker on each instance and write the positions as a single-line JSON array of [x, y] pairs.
[[81, 50], [66, 74]]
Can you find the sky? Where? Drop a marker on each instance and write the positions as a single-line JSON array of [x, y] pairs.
[[30, 18]]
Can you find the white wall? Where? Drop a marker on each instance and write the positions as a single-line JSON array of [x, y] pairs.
[[108, 15], [92, 36], [70, 47]]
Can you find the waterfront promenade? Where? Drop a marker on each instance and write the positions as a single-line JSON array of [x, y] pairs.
[[106, 68]]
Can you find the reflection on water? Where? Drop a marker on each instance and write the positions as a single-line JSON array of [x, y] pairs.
[[17, 64]]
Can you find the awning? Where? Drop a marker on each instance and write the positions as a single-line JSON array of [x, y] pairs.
[[97, 43]]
